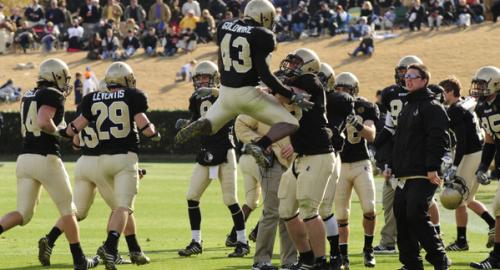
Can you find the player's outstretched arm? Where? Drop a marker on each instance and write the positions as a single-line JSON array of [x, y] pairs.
[[269, 79], [44, 119], [145, 127]]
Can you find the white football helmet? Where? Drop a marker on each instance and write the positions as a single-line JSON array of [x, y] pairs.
[[206, 68], [55, 71], [262, 12], [326, 76], [348, 80], [299, 62], [119, 74], [485, 82], [400, 69], [454, 193]]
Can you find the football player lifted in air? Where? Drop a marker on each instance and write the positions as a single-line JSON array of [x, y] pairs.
[[303, 185], [117, 115], [40, 164], [245, 46], [469, 142], [356, 171], [87, 179], [486, 86], [216, 159]]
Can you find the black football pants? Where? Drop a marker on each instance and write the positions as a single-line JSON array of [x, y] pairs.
[[411, 205]]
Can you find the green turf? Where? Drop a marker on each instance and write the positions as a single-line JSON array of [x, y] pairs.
[[163, 226]]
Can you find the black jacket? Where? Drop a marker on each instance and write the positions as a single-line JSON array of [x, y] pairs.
[[421, 139]]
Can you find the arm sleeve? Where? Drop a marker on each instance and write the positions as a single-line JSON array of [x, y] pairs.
[[459, 128], [51, 97], [245, 128], [194, 108], [139, 102], [435, 125], [487, 155]]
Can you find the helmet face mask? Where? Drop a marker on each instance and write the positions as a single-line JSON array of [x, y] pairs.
[[486, 82], [454, 193], [300, 62], [291, 66], [479, 88]]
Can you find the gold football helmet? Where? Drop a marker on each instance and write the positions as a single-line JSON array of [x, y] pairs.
[[326, 76], [400, 69], [299, 62], [206, 68], [55, 71], [349, 81], [262, 12], [119, 74], [454, 193], [485, 82]]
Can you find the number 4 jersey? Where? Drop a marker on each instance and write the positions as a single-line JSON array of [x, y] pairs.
[[34, 140], [113, 113]]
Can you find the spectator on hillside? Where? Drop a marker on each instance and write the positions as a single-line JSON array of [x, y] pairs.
[[324, 18], [175, 10], [136, 12], [90, 13], [478, 11], [34, 14], [234, 6], [75, 36], [189, 21], [95, 47], [170, 42], [191, 5], [130, 45], [435, 16], [383, 6], [367, 11], [54, 14], [68, 18], [110, 44], [7, 30], [25, 36], [300, 19], [281, 26], [205, 28], [16, 17], [366, 47], [187, 41], [217, 8], [360, 29], [149, 42], [159, 15], [387, 21], [78, 86], [449, 12], [343, 19], [228, 16], [112, 11], [130, 25], [495, 11], [90, 83], [464, 14], [50, 35], [416, 15]]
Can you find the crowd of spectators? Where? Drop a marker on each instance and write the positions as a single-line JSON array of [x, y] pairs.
[[118, 29]]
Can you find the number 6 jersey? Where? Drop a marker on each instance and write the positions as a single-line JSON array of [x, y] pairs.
[[113, 113]]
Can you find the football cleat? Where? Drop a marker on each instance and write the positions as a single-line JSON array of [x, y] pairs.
[[107, 258], [335, 263], [257, 152], [240, 250], [87, 264], [302, 266], [253, 234], [192, 249], [345, 262], [491, 238], [322, 264], [380, 249], [369, 257], [193, 130], [231, 240], [139, 258], [263, 266], [286, 267], [489, 263], [457, 246], [44, 251]]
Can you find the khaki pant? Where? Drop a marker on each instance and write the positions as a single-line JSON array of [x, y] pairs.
[[34, 171], [270, 220], [226, 174], [325, 209], [251, 178], [467, 170], [250, 101], [303, 185], [357, 175], [389, 230]]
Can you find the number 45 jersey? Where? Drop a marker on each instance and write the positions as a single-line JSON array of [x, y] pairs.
[[239, 46], [355, 148], [113, 113]]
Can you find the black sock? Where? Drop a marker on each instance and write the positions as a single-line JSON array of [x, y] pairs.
[[238, 217], [462, 235], [334, 245], [111, 243], [133, 245], [194, 215], [264, 142], [368, 242], [53, 235], [1, 229], [307, 257], [437, 228], [489, 219], [256, 228], [77, 253], [343, 249], [233, 233], [496, 250]]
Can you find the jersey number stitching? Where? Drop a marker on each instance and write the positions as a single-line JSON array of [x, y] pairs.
[[29, 124], [118, 114], [244, 62]]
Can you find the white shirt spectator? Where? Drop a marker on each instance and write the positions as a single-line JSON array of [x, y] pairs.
[[89, 85], [194, 5], [75, 32]]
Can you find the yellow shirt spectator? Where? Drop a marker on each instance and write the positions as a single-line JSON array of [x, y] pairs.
[[189, 21]]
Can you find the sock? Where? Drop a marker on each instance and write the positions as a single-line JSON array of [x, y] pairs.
[[232, 234], [194, 214], [368, 241], [196, 235], [53, 235], [334, 245], [256, 228], [111, 243], [496, 250], [343, 249], [489, 219], [1, 229], [462, 235], [241, 236], [307, 257], [264, 142], [77, 253], [331, 225], [239, 222], [133, 245], [437, 227], [320, 260]]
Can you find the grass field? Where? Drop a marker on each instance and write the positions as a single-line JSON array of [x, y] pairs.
[[163, 224]]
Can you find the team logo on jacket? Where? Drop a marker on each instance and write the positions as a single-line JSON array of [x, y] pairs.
[[415, 113]]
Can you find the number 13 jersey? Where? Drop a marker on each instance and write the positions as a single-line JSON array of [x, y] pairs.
[[113, 113]]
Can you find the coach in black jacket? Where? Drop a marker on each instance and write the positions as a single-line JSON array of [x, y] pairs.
[[420, 143]]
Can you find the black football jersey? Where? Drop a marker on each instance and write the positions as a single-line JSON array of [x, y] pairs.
[[89, 143], [338, 106], [393, 99], [113, 113], [312, 137], [239, 45], [355, 146], [34, 140], [465, 129]]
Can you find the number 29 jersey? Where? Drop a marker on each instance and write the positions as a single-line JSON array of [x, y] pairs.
[[113, 113], [34, 140], [240, 45]]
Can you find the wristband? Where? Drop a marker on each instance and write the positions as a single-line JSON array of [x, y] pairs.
[[145, 127], [73, 128]]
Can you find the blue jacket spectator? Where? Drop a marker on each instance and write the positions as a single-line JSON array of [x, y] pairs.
[[300, 19]]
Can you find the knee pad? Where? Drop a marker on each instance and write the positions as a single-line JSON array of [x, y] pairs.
[[290, 218], [369, 216], [307, 209]]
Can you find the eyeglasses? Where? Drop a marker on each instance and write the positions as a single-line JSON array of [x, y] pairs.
[[412, 76]]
